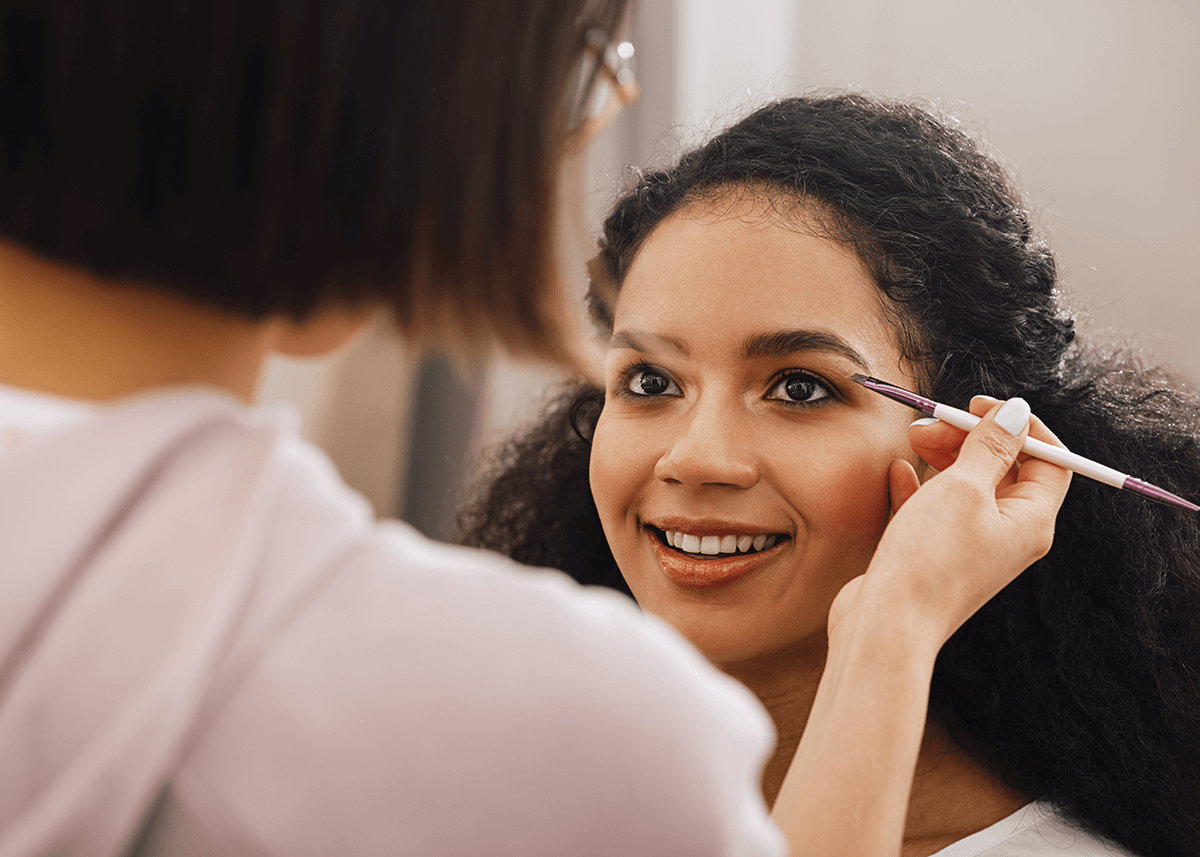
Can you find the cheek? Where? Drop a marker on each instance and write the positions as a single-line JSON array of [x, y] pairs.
[[612, 470], [841, 486]]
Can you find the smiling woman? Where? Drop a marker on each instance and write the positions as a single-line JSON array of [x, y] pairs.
[[735, 420], [736, 483]]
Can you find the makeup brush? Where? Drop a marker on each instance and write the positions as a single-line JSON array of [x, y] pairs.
[[1036, 448]]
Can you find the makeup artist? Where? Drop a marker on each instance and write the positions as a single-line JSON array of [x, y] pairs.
[[207, 645]]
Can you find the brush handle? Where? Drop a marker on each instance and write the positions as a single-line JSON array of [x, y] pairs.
[[1036, 448], [1039, 449]]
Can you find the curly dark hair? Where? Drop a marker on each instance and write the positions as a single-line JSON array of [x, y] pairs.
[[1080, 682]]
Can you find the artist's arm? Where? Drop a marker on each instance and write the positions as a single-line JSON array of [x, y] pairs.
[[950, 547]]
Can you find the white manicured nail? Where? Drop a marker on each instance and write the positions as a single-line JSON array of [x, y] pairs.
[[1013, 415], [925, 421]]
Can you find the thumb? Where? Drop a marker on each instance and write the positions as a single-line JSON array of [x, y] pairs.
[[991, 448]]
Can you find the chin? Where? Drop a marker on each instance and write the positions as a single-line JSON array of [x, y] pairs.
[[730, 636]]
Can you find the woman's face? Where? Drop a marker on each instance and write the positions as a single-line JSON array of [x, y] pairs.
[[741, 478]]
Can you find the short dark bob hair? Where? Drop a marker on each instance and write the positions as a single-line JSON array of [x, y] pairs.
[[276, 157], [1080, 682]]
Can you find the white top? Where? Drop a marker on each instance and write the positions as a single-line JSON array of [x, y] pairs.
[[1035, 830], [197, 615]]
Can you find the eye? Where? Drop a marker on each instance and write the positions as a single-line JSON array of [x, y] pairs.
[[644, 381], [799, 388]]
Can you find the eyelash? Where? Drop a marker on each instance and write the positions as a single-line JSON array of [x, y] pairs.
[[630, 372], [636, 367], [830, 390]]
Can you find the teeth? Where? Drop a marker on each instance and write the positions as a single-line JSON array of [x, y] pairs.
[[715, 545]]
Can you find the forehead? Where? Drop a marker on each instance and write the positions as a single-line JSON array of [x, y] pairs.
[[723, 270]]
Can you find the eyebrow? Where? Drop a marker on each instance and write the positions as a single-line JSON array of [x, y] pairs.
[[787, 342], [636, 340], [758, 346]]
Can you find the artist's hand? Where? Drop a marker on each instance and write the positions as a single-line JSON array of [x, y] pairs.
[[957, 540]]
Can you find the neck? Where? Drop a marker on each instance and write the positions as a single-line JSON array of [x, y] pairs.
[[785, 682], [65, 331], [952, 796]]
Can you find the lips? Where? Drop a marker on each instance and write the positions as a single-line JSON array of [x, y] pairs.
[[712, 558]]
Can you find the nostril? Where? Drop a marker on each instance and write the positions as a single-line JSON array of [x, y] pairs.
[[707, 470]]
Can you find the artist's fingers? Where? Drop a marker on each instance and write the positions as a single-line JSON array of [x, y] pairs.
[[990, 449], [936, 442], [1051, 478], [902, 483], [979, 406]]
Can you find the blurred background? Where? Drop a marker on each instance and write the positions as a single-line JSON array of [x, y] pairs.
[[1093, 104]]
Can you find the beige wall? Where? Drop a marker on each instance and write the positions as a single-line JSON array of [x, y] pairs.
[[355, 405]]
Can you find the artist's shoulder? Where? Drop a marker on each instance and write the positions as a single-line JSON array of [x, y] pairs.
[[446, 679]]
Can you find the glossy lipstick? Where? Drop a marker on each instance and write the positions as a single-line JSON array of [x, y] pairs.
[[706, 574]]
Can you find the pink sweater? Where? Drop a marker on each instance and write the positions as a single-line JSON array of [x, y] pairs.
[[197, 615]]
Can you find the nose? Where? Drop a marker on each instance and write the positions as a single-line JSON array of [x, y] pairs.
[[711, 447]]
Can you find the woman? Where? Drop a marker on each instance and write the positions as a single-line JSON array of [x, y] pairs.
[[208, 646], [738, 479]]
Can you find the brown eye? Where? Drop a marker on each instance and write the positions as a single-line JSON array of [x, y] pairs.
[[650, 382], [652, 385], [800, 389]]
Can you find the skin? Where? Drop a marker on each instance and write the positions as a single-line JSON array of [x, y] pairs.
[[699, 435], [65, 331]]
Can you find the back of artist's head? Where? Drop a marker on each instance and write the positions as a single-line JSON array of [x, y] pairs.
[[935, 219], [276, 157]]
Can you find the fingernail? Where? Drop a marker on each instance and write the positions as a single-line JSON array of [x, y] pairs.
[[1013, 415], [925, 421]]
